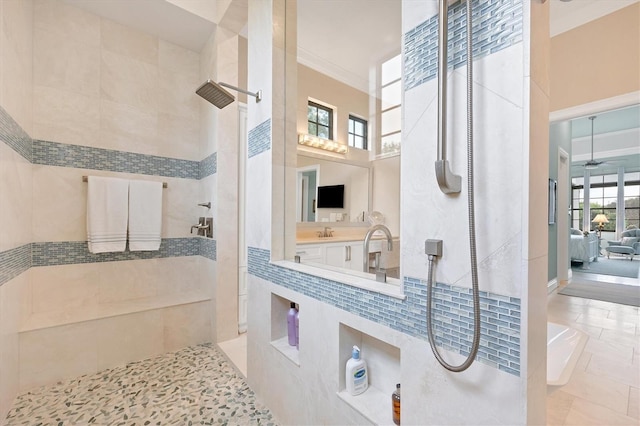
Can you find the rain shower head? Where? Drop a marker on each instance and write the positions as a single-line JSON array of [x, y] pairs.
[[219, 97], [214, 93]]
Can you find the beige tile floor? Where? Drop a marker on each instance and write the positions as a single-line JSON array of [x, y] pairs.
[[604, 387]]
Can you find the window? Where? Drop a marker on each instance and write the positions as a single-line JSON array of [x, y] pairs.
[[632, 199], [391, 100], [577, 202], [603, 198], [357, 132], [320, 120]]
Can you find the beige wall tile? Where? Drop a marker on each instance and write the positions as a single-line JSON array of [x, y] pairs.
[[129, 81], [126, 41], [16, 65], [64, 63], [128, 128], [11, 294], [180, 208], [57, 353], [65, 116], [179, 275], [127, 281], [177, 95], [64, 287], [15, 199], [58, 17], [634, 403], [130, 337], [187, 325], [178, 60], [64, 194], [178, 136]]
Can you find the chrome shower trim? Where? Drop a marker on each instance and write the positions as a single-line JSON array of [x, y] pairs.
[[471, 212], [215, 93], [257, 95], [448, 182]]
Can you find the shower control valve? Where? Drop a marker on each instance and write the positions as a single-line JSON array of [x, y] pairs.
[[433, 248]]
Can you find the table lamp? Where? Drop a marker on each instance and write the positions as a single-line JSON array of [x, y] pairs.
[[600, 219]]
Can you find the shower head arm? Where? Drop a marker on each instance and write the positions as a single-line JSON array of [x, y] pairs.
[[257, 95]]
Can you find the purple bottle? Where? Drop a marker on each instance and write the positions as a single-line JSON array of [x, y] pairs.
[[297, 329], [291, 324]]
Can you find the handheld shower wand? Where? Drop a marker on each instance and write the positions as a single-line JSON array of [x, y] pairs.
[[442, 72]]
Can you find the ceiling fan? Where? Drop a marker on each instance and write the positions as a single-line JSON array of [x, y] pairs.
[[594, 164]]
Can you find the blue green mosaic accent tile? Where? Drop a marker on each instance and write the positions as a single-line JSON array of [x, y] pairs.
[[75, 252], [500, 315], [14, 262], [85, 157], [497, 25], [208, 166], [453, 323], [208, 248], [14, 136], [259, 138]]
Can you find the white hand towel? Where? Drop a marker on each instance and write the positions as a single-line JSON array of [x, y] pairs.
[[145, 215], [107, 200]]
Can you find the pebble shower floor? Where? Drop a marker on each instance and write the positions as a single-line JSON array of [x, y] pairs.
[[192, 386]]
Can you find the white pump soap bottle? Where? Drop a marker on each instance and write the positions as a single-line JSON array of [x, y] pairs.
[[356, 377]]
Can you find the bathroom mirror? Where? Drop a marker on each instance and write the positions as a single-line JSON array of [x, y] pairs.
[[348, 94], [314, 172]]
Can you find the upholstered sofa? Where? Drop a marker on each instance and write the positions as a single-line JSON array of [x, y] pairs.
[[628, 244]]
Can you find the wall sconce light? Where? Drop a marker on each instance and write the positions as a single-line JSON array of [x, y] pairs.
[[320, 143]]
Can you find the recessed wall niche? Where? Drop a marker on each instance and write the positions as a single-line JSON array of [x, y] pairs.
[[279, 336], [383, 369]]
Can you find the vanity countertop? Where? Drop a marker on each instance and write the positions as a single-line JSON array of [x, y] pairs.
[[336, 239]]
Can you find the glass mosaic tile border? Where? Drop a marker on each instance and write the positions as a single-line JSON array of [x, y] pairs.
[[497, 24], [208, 248], [14, 136], [259, 139], [208, 166], [13, 262], [500, 315], [74, 252], [86, 157]]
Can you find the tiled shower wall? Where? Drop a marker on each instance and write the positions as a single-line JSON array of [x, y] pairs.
[[501, 388], [16, 82], [84, 95]]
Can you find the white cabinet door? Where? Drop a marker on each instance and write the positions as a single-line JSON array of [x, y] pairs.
[[310, 253], [356, 256], [336, 255]]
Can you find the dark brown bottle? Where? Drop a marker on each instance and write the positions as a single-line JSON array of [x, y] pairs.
[[395, 404]]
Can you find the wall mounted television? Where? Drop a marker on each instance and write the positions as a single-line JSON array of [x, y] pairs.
[[331, 196]]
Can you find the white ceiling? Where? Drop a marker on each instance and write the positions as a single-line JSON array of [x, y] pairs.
[[616, 136]]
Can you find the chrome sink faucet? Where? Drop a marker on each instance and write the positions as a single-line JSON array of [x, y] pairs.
[[326, 233], [367, 239]]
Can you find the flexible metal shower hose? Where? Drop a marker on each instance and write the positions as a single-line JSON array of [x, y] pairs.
[[472, 226]]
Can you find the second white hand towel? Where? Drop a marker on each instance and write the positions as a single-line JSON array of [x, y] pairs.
[[107, 214], [145, 215]]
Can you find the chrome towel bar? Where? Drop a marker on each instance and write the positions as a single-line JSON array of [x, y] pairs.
[[86, 179]]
